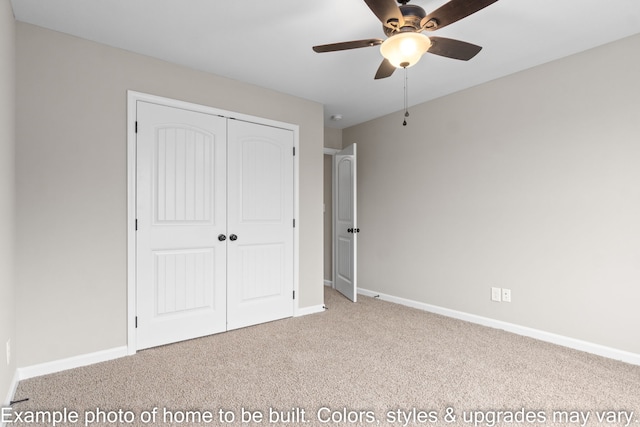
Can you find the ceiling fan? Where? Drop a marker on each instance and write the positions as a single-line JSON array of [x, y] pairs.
[[404, 24]]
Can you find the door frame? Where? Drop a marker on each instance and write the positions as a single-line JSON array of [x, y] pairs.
[[132, 99], [332, 152]]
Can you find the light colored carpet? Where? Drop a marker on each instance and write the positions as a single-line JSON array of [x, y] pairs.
[[370, 361]]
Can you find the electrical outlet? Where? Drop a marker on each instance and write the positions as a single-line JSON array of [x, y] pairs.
[[496, 294], [506, 295], [9, 351]]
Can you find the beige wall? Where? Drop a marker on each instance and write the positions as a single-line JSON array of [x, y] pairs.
[[7, 205], [333, 138], [72, 182], [530, 182]]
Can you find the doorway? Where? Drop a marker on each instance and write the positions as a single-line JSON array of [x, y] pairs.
[[212, 208], [341, 230]]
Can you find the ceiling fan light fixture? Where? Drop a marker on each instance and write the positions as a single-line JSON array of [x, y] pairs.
[[405, 49]]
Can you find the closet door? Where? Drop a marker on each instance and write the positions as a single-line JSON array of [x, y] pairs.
[[181, 211], [260, 224]]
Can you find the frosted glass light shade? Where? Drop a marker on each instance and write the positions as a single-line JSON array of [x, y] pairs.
[[404, 50]]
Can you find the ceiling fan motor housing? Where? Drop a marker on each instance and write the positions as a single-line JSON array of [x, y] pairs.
[[412, 15]]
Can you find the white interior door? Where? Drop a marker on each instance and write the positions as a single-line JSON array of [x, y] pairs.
[[260, 224], [345, 227], [181, 210]]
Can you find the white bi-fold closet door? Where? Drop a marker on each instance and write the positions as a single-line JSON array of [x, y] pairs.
[[214, 240]]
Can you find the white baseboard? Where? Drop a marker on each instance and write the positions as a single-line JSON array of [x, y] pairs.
[[328, 283], [309, 310], [100, 356], [71, 363], [589, 347], [60, 365], [115, 353]]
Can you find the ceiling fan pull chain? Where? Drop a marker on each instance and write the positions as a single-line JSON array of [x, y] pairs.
[[406, 95]]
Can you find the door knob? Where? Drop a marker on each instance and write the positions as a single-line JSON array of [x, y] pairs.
[[233, 237], [222, 237]]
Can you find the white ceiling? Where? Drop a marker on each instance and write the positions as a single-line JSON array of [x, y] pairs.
[[268, 43]]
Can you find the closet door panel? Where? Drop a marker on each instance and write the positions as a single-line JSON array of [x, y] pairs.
[[260, 214], [181, 209]]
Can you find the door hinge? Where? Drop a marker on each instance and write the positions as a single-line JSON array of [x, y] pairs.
[[136, 126], [136, 224], [294, 294], [136, 322], [294, 223], [294, 151]]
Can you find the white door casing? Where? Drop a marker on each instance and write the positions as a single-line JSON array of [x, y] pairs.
[[174, 162], [345, 226]]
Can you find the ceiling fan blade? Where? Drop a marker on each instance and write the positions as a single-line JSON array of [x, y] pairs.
[[385, 69], [355, 44], [387, 12], [451, 48], [453, 11]]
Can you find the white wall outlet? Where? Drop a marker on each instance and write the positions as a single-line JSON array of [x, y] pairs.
[[496, 294], [9, 351], [506, 295]]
